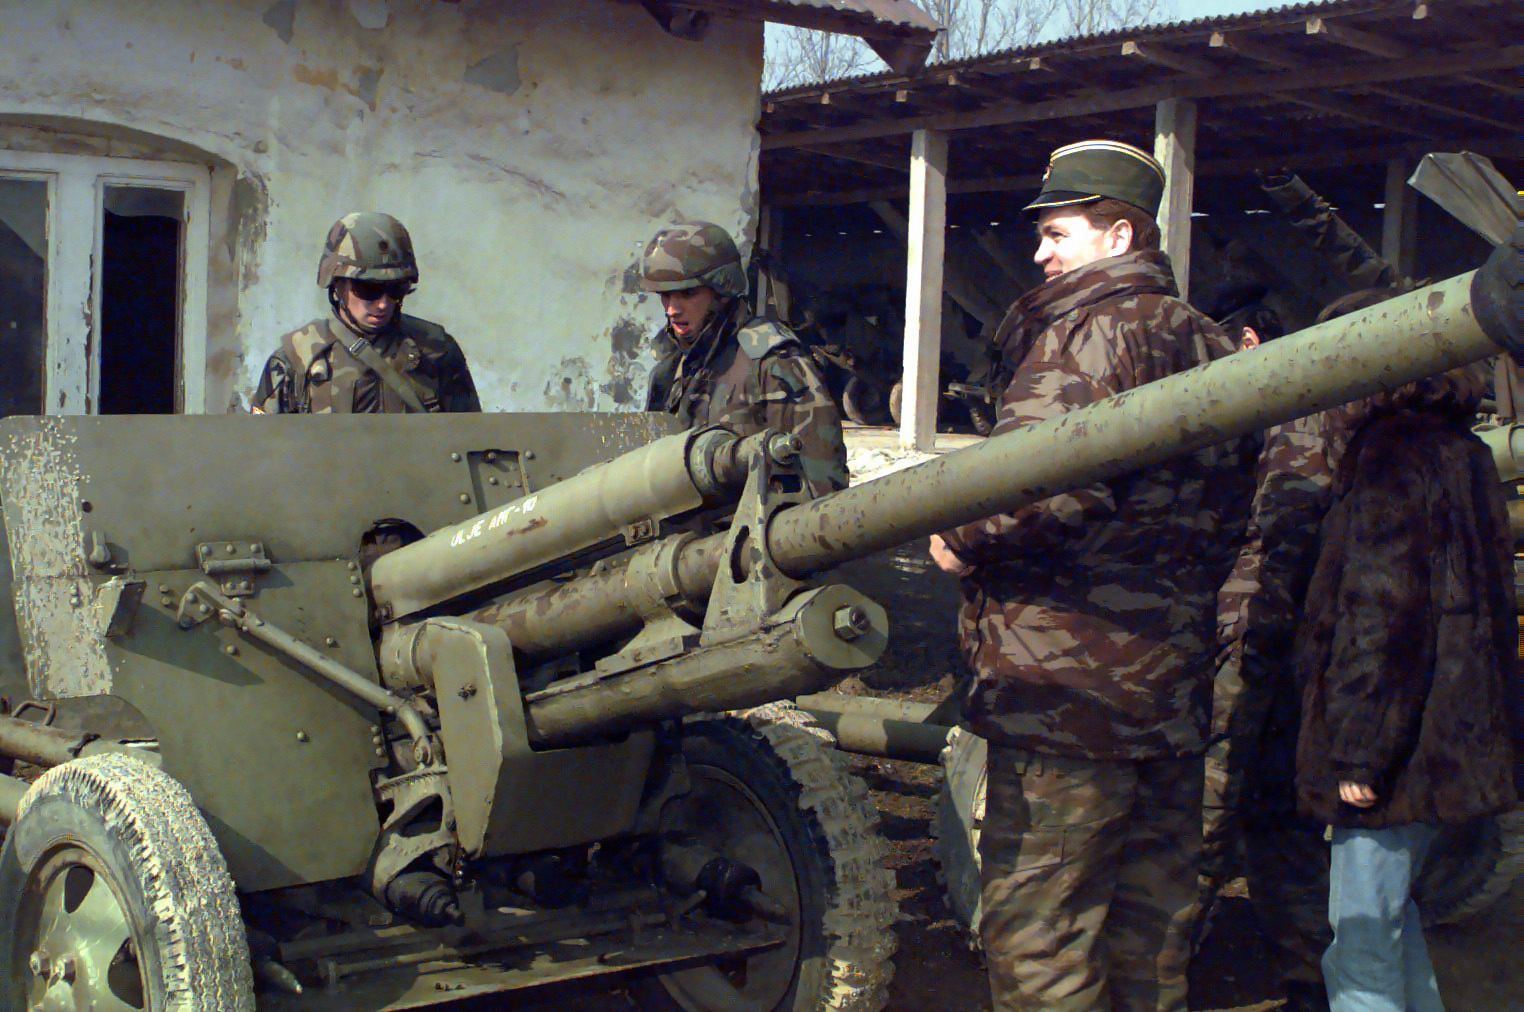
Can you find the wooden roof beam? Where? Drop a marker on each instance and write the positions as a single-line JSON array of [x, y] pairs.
[[1355, 38], [1263, 54], [1334, 107], [1441, 108], [1159, 56], [1236, 42], [1422, 11], [1330, 158], [963, 83], [1228, 86], [858, 157]]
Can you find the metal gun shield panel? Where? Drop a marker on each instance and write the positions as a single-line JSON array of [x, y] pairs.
[[305, 486], [277, 759]]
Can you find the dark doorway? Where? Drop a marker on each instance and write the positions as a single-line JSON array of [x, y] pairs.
[[23, 294], [140, 300]]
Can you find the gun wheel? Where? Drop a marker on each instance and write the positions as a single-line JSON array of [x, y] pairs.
[[863, 401], [981, 415], [773, 796], [114, 898], [1469, 868]]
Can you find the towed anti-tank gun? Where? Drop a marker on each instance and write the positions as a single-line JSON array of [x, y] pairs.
[[291, 739]]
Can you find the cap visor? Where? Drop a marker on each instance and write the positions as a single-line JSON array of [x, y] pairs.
[[1060, 198]]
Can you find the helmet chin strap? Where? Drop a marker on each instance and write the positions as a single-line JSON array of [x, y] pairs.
[[336, 303]]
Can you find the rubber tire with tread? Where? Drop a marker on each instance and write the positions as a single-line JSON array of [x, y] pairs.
[[859, 401], [140, 826], [826, 820], [1468, 869], [981, 415]]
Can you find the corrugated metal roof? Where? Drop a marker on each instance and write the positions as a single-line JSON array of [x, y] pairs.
[[1161, 31], [1340, 82]]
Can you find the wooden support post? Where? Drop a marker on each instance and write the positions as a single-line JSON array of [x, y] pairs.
[[923, 289], [1175, 147], [1399, 220]]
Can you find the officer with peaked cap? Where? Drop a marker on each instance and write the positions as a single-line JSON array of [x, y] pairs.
[[1088, 620], [721, 365], [368, 356]]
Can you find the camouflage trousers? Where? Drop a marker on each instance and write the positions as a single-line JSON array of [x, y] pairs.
[[1089, 874]]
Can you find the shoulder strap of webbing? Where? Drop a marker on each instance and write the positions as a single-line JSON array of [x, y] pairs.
[[373, 360]]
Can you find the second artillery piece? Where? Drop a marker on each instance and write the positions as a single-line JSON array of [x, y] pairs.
[[301, 755]]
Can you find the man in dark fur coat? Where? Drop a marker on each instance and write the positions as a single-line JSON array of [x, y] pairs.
[[1408, 654]]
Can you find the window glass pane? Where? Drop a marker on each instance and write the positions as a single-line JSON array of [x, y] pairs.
[[23, 294], [140, 299]]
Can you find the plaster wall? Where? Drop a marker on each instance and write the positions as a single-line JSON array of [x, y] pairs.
[[530, 146]]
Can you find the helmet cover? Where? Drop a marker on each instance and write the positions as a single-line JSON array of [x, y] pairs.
[[694, 254], [367, 246]]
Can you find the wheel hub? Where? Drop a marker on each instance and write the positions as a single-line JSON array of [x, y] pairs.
[[724, 814], [83, 957]]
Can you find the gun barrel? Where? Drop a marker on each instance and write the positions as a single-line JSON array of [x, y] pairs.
[[1427, 331], [547, 531]]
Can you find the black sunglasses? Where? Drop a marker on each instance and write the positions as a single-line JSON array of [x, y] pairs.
[[370, 291]]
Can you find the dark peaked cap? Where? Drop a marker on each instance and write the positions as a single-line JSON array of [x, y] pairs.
[[1089, 170]]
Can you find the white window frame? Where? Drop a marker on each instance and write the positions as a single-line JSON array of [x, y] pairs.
[[76, 216]]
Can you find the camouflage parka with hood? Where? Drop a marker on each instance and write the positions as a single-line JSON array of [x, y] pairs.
[[749, 374], [1089, 620]]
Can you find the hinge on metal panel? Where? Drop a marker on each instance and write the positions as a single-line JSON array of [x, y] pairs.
[[233, 564]]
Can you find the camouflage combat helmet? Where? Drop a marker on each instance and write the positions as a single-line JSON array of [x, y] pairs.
[[693, 254], [367, 246]]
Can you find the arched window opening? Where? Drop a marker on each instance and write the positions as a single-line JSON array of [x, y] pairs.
[[102, 284]]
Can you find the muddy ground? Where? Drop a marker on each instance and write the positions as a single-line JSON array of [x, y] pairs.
[[1478, 963]]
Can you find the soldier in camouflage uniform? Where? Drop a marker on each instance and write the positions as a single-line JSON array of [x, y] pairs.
[[1088, 621], [720, 365], [1250, 800], [368, 356]]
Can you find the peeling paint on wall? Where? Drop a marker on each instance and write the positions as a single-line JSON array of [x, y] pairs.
[[498, 72], [54, 600], [571, 387], [370, 83], [628, 376], [529, 189], [372, 14], [280, 17], [248, 210]]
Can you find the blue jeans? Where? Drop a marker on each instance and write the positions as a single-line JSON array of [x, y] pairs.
[[1378, 961]]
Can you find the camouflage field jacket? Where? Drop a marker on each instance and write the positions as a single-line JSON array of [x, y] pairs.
[[1256, 701], [1089, 619], [314, 372], [749, 376]]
